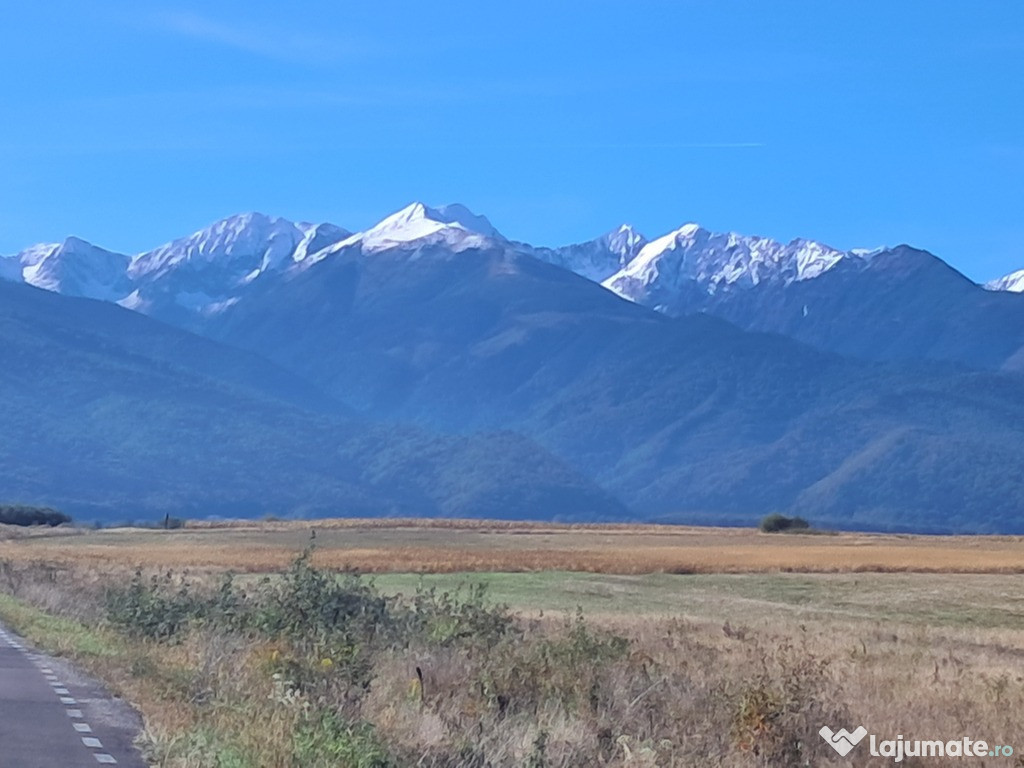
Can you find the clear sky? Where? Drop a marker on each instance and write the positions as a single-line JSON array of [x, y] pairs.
[[858, 123]]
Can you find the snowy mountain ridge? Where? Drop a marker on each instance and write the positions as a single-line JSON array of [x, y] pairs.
[[251, 240], [212, 269], [694, 256]]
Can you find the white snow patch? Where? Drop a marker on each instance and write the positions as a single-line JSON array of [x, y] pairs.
[[1012, 283]]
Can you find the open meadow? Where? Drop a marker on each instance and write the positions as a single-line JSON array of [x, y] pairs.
[[476, 643], [445, 546]]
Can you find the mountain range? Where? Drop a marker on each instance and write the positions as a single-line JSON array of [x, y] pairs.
[[695, 377], [880, 304]]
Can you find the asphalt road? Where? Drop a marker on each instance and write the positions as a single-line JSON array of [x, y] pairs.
[[51, 716]]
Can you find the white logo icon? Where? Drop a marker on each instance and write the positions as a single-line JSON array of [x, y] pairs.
[[842, 741]]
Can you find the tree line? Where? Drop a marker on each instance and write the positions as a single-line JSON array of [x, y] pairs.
[[17, 514]]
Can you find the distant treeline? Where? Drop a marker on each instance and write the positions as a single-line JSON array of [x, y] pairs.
[[21, 515]]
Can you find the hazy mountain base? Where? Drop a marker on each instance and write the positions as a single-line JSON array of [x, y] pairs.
[[109, 415], [671, 415]]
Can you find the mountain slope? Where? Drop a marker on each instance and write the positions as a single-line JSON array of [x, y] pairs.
[[691, 418], [905, 304], [110, 415], [890, 304]]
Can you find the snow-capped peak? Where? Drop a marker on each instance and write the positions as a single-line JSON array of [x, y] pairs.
[[252, 240], [417, 220], [70, 246], [454, 225], [594, 259], [454, 214], [626, 242], [74, 267], [316, 238], [210, 270], [692, 257], [1013, 283]]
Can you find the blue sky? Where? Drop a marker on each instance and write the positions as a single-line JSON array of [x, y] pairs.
[[856, 123]]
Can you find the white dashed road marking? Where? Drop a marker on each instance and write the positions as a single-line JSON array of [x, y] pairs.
[[91, 742]]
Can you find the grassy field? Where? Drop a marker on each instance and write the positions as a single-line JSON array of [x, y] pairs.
[[937, 600], [699, 646], [443, 546]]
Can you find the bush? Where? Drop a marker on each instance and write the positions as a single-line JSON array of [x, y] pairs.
[[457, 617], [312, 606], [780, 523], [160, 608], [23, 515]]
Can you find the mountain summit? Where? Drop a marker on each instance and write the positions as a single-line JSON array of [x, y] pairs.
[[595, 259], [211, 269], [74, 268], [453, 225], [248, 242], [669, 269], [1013, 282]]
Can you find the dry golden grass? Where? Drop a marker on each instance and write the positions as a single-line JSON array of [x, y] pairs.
[[693, 691], [445, 546]]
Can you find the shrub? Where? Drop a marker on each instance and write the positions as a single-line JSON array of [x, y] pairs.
[[450, 618], [780, 523], [311, 606], [160, 608]]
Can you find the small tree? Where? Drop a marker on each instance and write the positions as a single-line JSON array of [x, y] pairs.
[[777, 523]]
